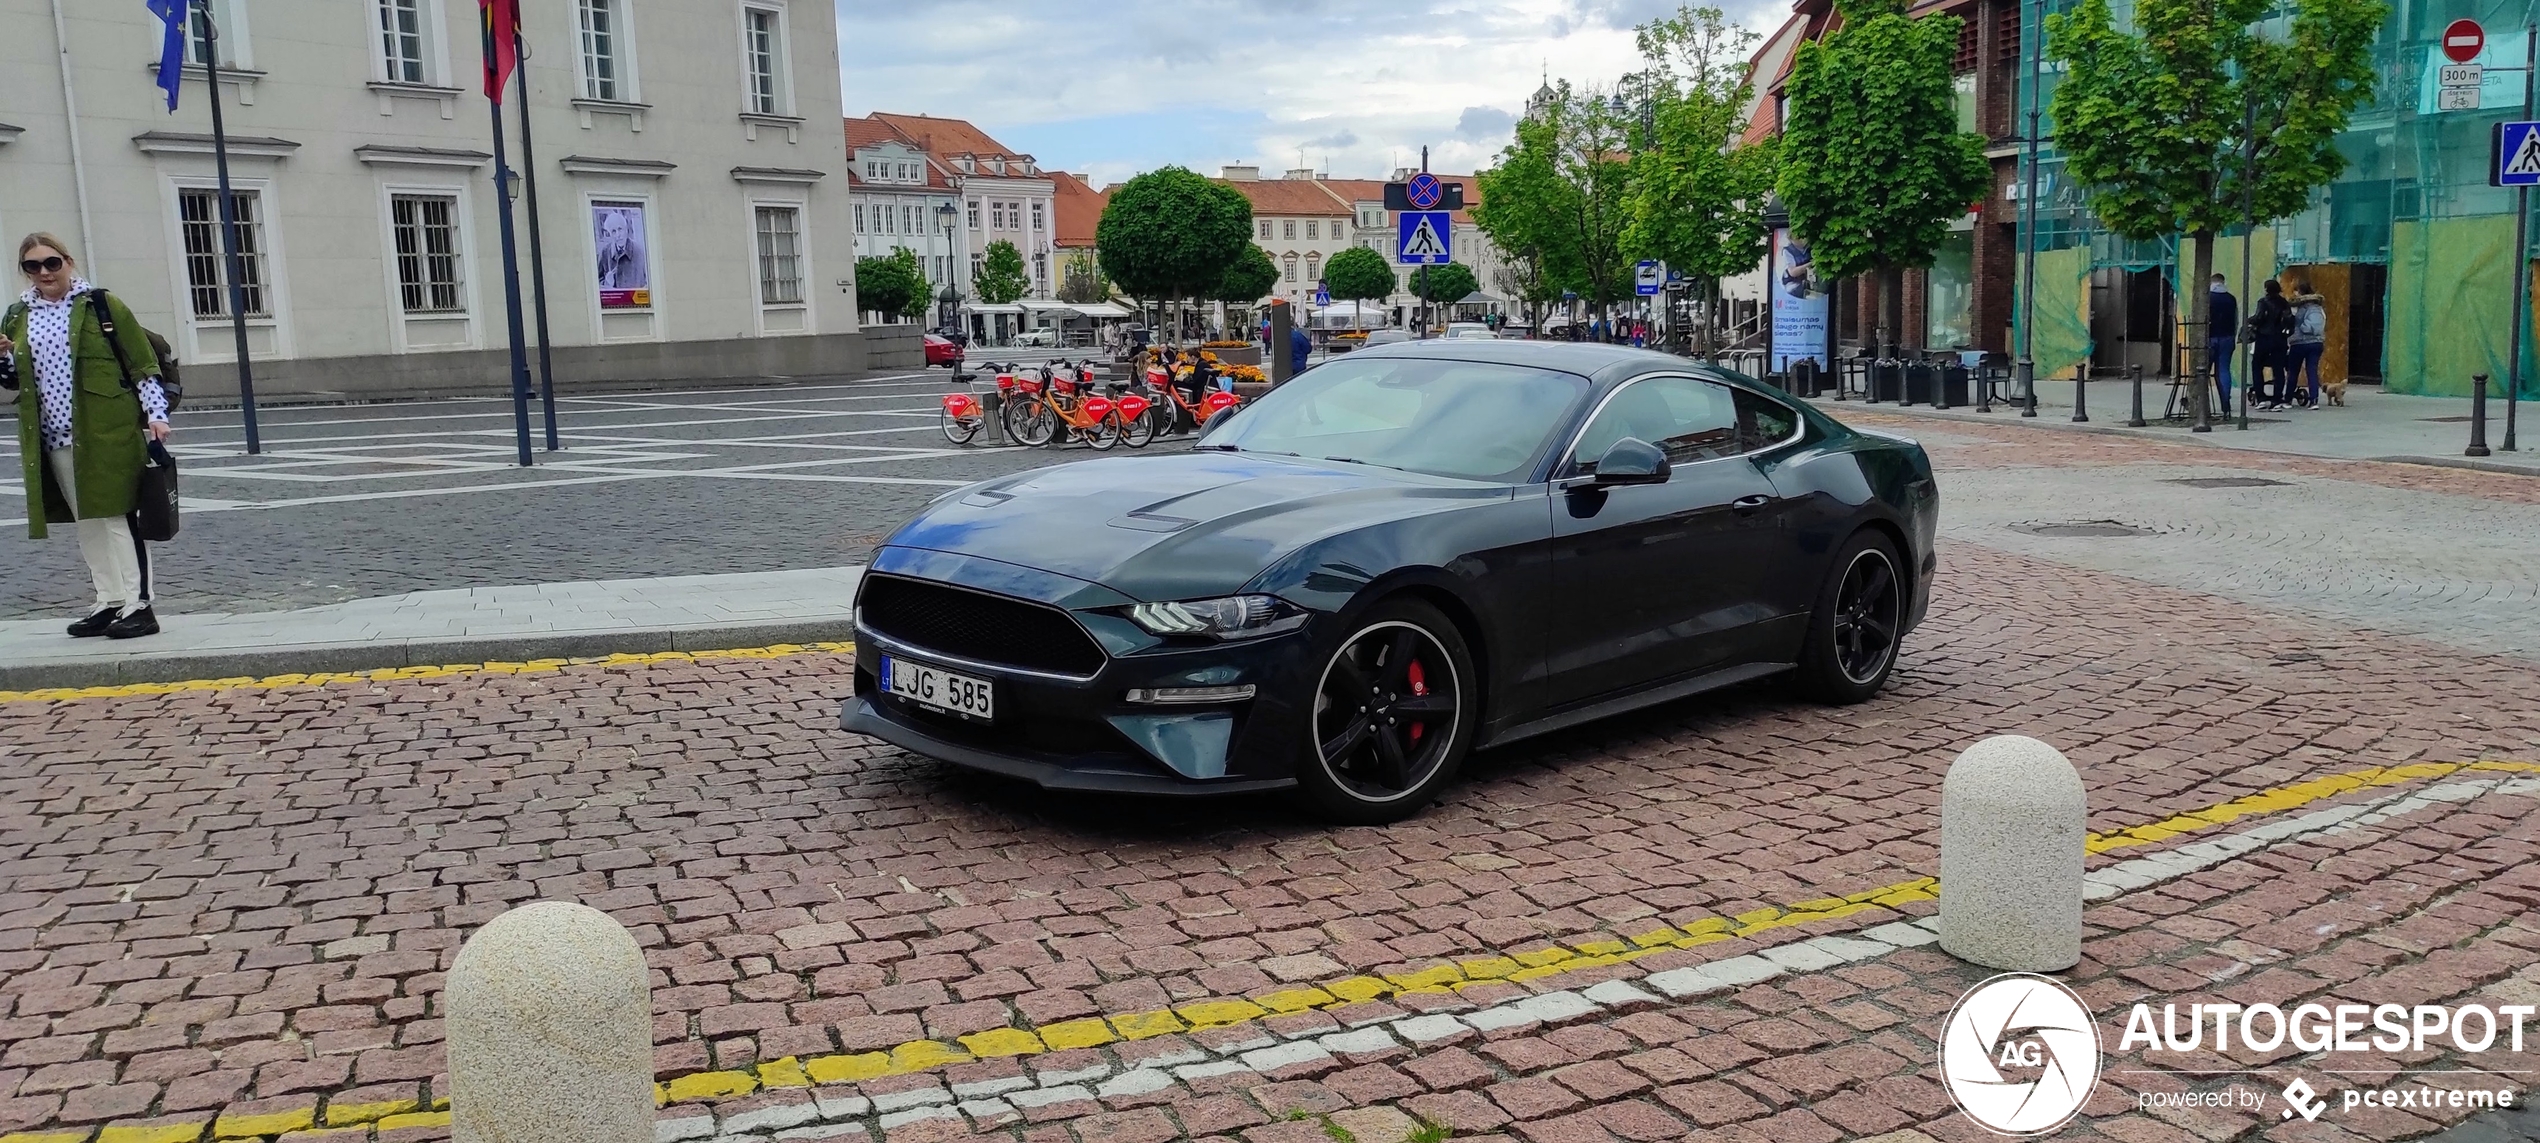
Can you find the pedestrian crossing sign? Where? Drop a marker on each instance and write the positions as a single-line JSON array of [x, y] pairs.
[[1423, 238], [2517, 155]]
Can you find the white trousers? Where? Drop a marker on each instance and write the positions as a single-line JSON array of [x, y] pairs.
[[114, 557]]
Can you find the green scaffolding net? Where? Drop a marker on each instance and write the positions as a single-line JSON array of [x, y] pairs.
[[2061, 341], [2451, 291]]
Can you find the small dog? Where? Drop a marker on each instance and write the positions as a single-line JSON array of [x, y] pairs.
[[2335, 390]]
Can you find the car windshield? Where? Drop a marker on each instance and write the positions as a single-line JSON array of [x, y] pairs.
[[1449, 418]]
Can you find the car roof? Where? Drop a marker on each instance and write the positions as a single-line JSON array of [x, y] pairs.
[[1597, 362]]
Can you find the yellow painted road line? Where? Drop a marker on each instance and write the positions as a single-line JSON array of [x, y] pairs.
[[1456, 976], [393, 674]]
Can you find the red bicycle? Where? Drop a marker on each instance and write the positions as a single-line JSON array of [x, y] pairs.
[[1171, 406]]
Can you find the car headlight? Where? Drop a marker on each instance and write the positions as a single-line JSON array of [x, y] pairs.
[[1227, 617]]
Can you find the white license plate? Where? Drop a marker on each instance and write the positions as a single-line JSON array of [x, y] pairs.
[[938, 688]]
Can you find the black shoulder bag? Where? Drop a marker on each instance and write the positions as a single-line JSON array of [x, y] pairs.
[[153, 516]]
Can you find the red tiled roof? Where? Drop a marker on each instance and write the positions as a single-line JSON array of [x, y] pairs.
[[1078, 208], [945, 137], [871, 131], [1288, 198]]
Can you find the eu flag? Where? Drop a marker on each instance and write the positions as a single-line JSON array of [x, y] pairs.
[[171, 47]]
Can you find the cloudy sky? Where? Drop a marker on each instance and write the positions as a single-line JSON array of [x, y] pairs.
[[1114, 87]]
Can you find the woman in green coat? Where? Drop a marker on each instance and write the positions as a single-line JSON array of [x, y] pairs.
[[83, 428]]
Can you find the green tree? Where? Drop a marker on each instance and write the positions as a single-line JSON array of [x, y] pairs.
[[1444, 285], [1697, 199], [891, 284], [1000, 277], [1873, 167], [1081, 280], [1171, 234], [1559, 196], [1358, 274], [2155, 123], [1246, 279]]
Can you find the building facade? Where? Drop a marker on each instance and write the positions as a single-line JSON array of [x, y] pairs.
[[1004, 196], [902, 199], [1302, 219], [691, 226]]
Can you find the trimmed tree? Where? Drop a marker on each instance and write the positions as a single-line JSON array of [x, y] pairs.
[[1247, 278], [1444, 285], [1000, 278], [1873, 167], [1358, 274], [891, 284], [1697, 200], [1170, 234], [2156, 124], [1559, 196]]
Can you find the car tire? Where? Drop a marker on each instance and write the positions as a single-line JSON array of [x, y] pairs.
[[1361, 787], [1857, 624]]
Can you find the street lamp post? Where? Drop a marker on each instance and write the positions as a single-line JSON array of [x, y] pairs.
[[2028, 237], [952, 257]]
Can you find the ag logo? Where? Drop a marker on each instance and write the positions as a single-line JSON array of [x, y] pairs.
[[2020, 1054]]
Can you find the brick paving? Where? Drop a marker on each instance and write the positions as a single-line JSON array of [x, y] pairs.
[[232, 909]]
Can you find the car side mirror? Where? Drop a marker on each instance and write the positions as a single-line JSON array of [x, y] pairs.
[[1632, 460], [1217, 418]]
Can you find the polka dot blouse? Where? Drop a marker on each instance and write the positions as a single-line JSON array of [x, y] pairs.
[[48, 344]]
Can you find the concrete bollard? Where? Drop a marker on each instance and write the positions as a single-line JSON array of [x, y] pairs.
[[550, 1026], [2012, 822]]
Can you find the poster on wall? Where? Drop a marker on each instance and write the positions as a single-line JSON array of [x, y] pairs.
[[1799, 305], [625, 269]]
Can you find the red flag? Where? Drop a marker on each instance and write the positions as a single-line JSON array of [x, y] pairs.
[[502, 50]]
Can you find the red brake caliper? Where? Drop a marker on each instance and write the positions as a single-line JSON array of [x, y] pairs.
[[1419, 686]]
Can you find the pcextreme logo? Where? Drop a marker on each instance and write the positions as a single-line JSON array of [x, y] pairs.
[[2020, 1054]]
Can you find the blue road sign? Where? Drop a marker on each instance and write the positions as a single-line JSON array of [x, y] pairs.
[[1424, 238], [2517, 155], [1322, 294], [1645, 277], [1424, 190]]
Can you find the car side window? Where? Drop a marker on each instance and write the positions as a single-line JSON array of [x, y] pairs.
[[1688, 419], [1763, 422]]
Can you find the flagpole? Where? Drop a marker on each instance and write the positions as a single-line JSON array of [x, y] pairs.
[[537, 250], [229, 231], [511, 253]]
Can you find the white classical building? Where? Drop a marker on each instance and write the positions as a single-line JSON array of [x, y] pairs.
[[693, 199]]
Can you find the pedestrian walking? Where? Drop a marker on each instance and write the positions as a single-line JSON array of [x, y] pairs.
[[87, 412], [1300, 347], [2269, 328], [2309, 339], [2222, 335]]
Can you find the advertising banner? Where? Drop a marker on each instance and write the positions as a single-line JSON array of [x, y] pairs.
[[1799, 305], [625, 267]]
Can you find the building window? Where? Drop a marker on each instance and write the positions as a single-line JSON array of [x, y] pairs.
[[602, 44], [1036, 217], [1314, 267], [942, 266], [974, 214], [978, 262], [1265, 230], [1041, 273], [199, 213], [401, 32], [859, 218], [427, 234], [762, 50], [233, 34], [780, 256], [908, 220], [1313, 228], [1289, 264], [1287, 229]]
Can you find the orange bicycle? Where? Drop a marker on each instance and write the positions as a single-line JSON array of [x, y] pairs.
[[1171, 406], [1038, 411]]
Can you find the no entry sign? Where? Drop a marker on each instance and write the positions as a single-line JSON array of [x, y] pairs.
[[2463, 40]]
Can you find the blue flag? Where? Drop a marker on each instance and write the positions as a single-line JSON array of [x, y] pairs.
[[171, 47]]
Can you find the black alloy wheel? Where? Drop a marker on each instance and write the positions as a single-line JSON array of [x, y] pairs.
[[1392, 716], [1859, 619]]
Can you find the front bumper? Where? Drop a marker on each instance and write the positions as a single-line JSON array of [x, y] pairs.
[[1082, 734]]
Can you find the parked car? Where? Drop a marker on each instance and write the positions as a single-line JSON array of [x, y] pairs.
[[1471, 329], [941, 350], [1037, 338], [1401, 556], [1385, 337]]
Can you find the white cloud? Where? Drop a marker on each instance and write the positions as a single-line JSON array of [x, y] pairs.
[[1353, 87]]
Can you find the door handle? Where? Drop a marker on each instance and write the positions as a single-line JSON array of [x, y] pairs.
[[1748, 504]]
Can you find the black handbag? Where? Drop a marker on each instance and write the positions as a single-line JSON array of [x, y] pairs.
[[154, 503]]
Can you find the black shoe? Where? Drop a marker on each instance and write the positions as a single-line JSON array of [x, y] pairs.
[[95, 625], [134, 626]]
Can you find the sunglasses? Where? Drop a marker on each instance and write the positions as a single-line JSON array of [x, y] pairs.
[[46, 266]]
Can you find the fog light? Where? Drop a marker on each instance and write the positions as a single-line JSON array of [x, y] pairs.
[[1185, 696]]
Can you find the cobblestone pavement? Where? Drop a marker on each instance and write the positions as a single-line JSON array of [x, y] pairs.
[[369, 500], [228, 912]]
